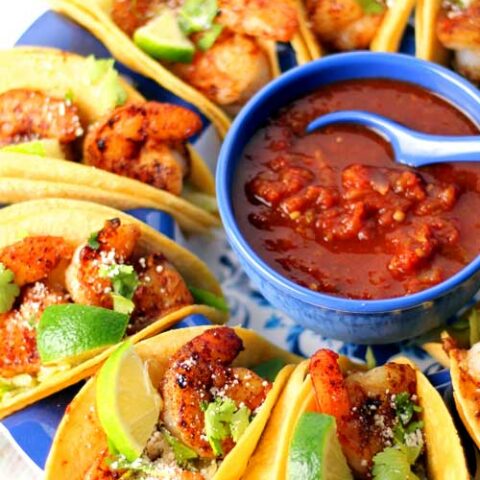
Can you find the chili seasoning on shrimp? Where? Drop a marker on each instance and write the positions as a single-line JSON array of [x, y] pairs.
[[333, 212]]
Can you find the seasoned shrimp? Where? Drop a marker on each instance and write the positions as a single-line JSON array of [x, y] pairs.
[[116, 243], [27, 115], [361, 404], [343, 24], [161, 289], [145, 142], [458, 29], [36, 258], [132, 14], [230, 72], [196, 373], [259, 19], [18, 347]]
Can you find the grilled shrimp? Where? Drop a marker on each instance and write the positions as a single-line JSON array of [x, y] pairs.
[[132, 14], [343, 24], [36, 258], [198, 372], [145, 142], [361, 404], [258, 19], [27, 115], [230, 72], [458, 29], [116, 243], [18, 347], [161, 289]]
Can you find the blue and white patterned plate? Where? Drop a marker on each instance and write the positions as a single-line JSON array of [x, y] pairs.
[[33, 428]]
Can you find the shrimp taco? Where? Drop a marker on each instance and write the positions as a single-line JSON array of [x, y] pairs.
[[124, 151], [75, 279], [338, 417], [206, 394], [445, 28], [344, 25], [213, 53]]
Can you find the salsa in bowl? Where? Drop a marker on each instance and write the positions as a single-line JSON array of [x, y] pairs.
[[346, 241]]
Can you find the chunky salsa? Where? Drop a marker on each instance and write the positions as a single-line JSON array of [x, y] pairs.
[[333, 212]]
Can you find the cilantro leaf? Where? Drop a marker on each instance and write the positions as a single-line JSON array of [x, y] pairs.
[[393, 463], [370, 358], [93, 241], [224, 420], [9, 291], [124, 279], [404, 407], [372, 7], [182, 452]]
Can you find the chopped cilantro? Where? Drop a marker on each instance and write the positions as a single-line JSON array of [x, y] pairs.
[[69, 96], [124, 283], [474, 323], [269, 369], [371, 7], [140, 465], [9, 291], [240, 422], [404, 407], [223, 420], [370, 358], [203, 297], [393, 463], [93, 241], [182, 452], [124, 279]]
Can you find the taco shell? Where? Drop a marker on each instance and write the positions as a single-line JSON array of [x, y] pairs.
[[69, 457], [442, 440], [75, 221], [27, 177]]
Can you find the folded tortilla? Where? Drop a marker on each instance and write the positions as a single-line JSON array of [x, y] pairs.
[[75, 221], [70, 458], [26, 177], [445, 457]]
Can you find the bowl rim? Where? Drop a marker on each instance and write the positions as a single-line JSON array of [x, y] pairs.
[[254, 261]]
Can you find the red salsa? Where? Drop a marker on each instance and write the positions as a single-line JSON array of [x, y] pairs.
[[333, 212]]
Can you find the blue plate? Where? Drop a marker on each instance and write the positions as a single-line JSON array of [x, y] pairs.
[[33, 428]]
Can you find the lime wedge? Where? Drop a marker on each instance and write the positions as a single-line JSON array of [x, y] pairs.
[[73, 332], [128, 406], [162, 38], [48, 147], [315, 452]]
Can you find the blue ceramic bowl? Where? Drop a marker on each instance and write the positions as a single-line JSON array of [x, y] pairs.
[[369, 321]]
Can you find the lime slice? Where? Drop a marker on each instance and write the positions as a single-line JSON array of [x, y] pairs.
[[128, 406], [162, 38], [74, 332], [315, 452], [48, 147]]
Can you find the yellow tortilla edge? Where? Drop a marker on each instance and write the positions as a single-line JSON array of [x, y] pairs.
[[95, 20], [29, 177], [466, 408], [80, 439], [390, 33], [428, 46], [442, 440]]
